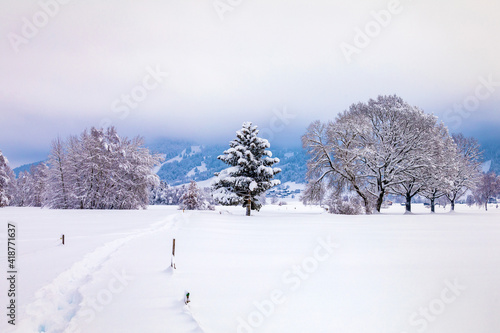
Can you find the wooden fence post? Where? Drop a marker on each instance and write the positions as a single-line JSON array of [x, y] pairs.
[[172, 262]]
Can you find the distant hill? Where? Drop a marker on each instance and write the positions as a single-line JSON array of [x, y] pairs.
[[186, 161], [491, 154], [25, 167]]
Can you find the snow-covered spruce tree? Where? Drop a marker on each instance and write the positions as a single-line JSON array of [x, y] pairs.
[[250, 173], [465, 167], [5, 180]]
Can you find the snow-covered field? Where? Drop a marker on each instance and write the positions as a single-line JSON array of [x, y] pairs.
[[285, 269]]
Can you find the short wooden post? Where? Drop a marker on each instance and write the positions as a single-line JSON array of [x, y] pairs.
[[172, 262], [62, 238]]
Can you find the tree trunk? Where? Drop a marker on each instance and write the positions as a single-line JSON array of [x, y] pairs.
[[380, 200], [249, 206], [486, 205], [408, 203], [367, 205], [365, 199], [432, 205], [452, 205]]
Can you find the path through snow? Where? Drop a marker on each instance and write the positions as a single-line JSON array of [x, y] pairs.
[[69, 302]]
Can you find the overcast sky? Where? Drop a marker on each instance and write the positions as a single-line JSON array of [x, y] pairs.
[[198, 69]]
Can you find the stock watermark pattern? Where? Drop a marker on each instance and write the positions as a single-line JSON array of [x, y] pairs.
[[460, 111], [420, 319], [223, 6], [32, 26], [131, 101], [105, 296], [372, 29], [277, 124], [292, 278], [11, 273]]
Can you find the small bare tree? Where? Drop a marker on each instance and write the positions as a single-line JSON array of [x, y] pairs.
[[487, 187]]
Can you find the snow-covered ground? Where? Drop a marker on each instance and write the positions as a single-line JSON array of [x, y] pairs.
[[285, 269]]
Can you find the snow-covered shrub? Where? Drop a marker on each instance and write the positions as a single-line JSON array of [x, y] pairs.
[[345, 206], [164, 194], [193, 199]]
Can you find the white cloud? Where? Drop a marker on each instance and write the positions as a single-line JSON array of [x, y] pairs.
[[264, 55]]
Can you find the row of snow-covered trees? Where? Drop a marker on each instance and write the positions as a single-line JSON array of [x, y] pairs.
[[96, 170], [190, 197], [388, 146], [7, 182], [100, 170], [164, 194], [373, 149]]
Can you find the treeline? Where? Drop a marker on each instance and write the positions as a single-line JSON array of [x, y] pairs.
[[96, 170], [189, 197], [371, 150]]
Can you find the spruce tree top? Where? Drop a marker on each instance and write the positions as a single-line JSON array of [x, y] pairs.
[[247, 148]]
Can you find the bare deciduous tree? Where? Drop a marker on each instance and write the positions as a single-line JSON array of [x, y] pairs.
[[465, 166], [487, 187]]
